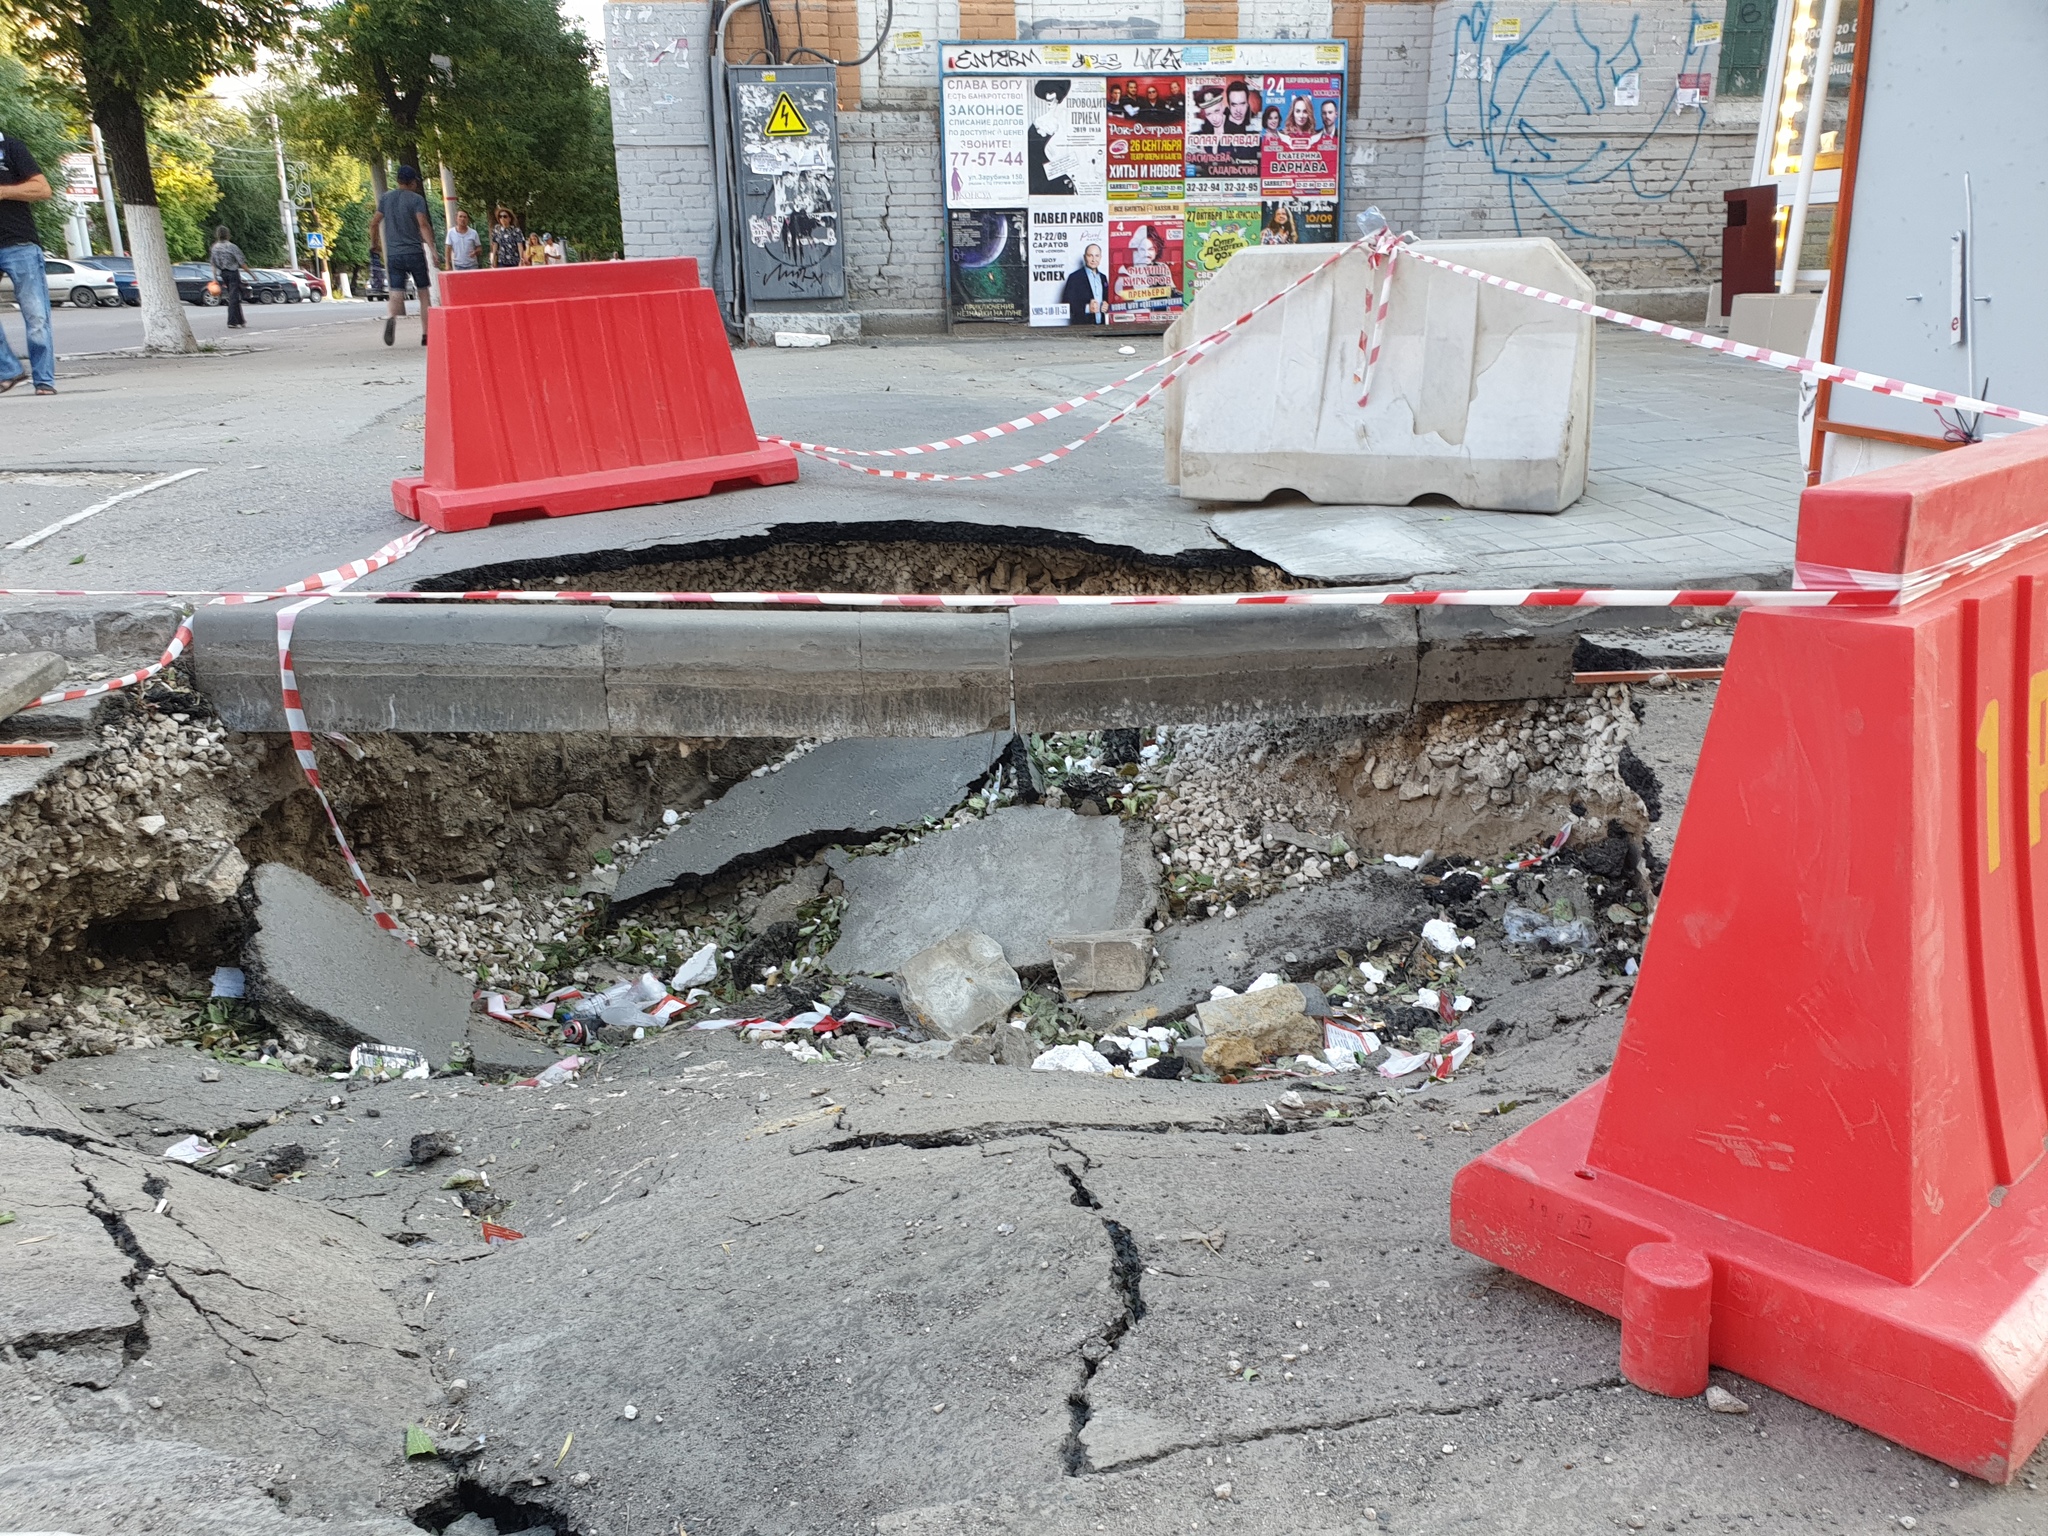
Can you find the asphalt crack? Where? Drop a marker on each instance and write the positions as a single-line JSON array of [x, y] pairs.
[[975, 1135], [1355, 1421], [141, 1267], [1126, 1278]]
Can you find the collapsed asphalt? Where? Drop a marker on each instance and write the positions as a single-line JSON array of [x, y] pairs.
[[910, 1296]]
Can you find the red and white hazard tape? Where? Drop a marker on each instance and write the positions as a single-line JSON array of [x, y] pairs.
[[1381, 250], [1908, 585], [332, 580], [1338, 597], [324, 585], [309, 764], [1186, 358], [1855, 378]]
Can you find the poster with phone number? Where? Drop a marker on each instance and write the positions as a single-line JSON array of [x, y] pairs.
[[1298, 153], [986, 121]]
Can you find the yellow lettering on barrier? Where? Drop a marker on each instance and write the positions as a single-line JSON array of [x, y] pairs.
[[1987, 748], [2037, 754]]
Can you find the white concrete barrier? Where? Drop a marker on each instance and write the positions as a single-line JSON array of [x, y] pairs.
[[1480, 395]]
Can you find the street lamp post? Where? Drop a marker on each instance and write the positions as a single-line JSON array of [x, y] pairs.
[[287, 213]]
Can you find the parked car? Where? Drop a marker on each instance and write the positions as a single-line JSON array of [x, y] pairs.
[[312, 280], [73, 283], [289, 286], [191, 277]]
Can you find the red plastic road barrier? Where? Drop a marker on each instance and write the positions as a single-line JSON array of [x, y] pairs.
[[1833, 1084], [580, 388]]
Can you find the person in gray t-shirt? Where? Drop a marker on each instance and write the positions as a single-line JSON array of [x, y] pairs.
[[407, 235]]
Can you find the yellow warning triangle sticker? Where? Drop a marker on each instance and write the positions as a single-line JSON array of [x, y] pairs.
[[785, 121]]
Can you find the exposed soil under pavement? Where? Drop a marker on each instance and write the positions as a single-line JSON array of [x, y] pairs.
[[824, 560]]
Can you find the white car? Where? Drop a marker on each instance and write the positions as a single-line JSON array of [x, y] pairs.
[[70, 283]]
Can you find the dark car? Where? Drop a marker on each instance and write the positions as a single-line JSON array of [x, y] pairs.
[[194, 279], [275, 286], [191, 276]]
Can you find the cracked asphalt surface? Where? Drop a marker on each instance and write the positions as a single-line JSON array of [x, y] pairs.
[[894, 1295]]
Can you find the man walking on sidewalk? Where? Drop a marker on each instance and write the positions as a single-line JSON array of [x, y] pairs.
[[228, 264], [22, 182], [464, 244], [407, 238]]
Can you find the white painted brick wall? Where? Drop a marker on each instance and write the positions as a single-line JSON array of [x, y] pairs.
[[1283, 18], [1100, 18], [1525, 136], [661, 130], [891, 216]]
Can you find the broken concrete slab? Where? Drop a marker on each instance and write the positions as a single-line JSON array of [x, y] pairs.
[[143, 1099], [785, 903], [960, 984], [27, 676], [1117, 961], [1243, 1031], [1478, 394], [1019, 876], [1289, 934], [328, 979], [842, 789]]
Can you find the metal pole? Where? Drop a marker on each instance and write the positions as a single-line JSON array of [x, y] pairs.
[[1802, 194], [287, 214], [99, 154], [447, 200]]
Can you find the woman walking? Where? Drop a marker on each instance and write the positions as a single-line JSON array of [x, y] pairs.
[[508, 240], [228, 265]]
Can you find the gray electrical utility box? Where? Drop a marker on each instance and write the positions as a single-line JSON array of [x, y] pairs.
[[785, 137]]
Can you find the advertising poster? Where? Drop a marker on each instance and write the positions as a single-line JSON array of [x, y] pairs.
[[1298, 153], [1066, 141], [1145, 262], [1223, 139], [985, 264], [1297, 221], [1147, 131], [1095, 180], [1212, 236], [1069, 264], [985, 121]]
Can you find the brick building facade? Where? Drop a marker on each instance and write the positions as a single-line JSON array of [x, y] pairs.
[[1468, 118]]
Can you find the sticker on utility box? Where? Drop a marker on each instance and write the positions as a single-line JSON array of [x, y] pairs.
[[785, 122]]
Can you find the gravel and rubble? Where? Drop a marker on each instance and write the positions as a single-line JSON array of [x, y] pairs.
[[1234, 815]]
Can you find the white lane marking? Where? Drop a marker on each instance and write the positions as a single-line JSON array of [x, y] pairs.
[[33, 539]]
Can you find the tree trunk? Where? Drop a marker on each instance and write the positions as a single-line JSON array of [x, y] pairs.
[[119, 115]]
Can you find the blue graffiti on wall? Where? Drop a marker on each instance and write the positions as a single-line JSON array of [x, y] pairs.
[[1542, 69]]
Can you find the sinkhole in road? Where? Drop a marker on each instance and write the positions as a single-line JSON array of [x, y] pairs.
[[886, 557]]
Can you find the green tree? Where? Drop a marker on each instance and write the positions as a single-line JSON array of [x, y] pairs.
[[120, 54], [32, 111], [514, 111]]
